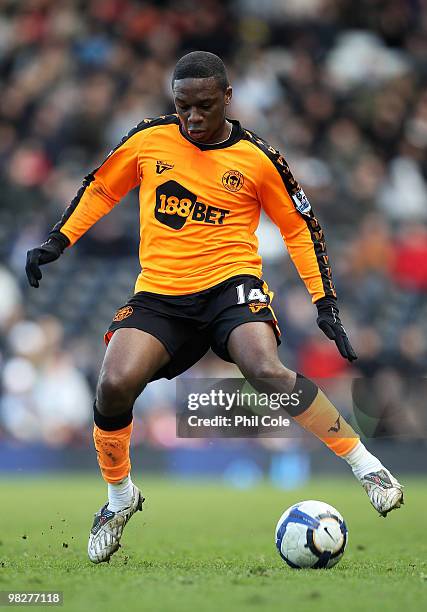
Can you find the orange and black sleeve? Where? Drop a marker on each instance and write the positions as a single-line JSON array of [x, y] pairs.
[[102, 189], [284, 201]]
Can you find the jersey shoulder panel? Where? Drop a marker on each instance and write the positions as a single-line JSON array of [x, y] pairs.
[[147, 124], [276, 158], [150, 122], [140, 128]]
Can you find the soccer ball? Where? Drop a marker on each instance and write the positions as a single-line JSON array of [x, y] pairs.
[[311, 534]]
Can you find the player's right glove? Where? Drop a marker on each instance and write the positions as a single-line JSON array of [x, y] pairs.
[[47, 252], [329, 322]]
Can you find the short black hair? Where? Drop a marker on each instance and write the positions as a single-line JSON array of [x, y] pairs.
[[201, 65]]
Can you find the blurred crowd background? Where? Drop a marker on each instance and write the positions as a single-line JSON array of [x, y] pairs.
[[339, 86]]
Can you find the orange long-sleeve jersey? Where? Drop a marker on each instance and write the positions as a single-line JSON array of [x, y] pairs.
[[200, 207]]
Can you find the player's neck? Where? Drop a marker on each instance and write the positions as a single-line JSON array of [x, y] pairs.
[[222, 137], [226, 133]]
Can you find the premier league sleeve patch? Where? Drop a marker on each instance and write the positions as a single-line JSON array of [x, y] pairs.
[[301, 202]]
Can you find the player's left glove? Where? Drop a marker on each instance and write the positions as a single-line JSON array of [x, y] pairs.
[[329, 322]]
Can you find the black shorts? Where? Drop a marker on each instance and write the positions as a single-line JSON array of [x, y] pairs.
[[188, 325]]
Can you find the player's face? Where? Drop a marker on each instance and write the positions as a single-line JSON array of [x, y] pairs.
[[201, 106]]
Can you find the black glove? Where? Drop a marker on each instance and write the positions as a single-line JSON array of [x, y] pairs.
[[47, 252], [329, 322]]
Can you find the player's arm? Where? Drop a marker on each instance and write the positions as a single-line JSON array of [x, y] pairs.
[[101, 190], [284, 201]]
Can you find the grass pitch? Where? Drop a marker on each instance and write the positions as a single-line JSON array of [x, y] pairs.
[[207, 547]]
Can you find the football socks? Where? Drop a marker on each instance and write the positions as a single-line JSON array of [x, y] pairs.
[[361, 461], [112, 448], [319, 416], [120, 494]]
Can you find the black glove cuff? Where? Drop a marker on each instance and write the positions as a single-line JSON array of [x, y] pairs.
[[58, 239], [326, 303]]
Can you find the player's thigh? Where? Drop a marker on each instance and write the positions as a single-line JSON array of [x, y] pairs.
[[244, 328], [253, 348], [132, 358]]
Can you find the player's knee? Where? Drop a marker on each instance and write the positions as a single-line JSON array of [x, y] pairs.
[[264, 370], [115, 394]]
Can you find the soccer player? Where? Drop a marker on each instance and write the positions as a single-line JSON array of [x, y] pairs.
[[203, 180]]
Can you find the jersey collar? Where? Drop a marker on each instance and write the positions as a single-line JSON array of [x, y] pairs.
[[235, 136]]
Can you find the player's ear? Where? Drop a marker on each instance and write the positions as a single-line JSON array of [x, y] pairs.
[[228, 94]]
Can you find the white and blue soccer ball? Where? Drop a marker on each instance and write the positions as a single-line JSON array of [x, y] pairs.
[[311, 534]]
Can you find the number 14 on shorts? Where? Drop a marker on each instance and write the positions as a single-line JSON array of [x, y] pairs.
[[253, 295]]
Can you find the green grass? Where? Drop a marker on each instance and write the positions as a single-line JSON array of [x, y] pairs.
[[207, 547]]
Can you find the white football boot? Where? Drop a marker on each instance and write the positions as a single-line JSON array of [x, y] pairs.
[[107, 529], [384, 491]]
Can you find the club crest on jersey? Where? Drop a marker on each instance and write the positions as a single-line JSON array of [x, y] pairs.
[[257, 306], [161, 166], [123, 313], [233, 180], [301, 202]]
